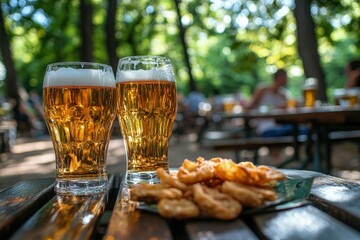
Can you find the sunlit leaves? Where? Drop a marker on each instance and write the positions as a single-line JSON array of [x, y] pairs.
[[232, 44]]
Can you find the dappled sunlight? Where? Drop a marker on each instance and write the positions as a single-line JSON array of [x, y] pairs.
[[39, 164], [336, 193], [116, 149], [39, 159], [32, 146], [116, 144]]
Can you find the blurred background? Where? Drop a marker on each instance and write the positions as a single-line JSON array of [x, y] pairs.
[[223, 45], [218, 47]]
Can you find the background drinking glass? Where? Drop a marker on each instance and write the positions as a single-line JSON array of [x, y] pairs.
[[80, 104], [309, 92], [146, 100]]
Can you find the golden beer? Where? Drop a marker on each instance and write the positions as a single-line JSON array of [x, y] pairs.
[[79, 101], [80, 121], [349, 100], [309, 92], [146, 112], [309, 97]]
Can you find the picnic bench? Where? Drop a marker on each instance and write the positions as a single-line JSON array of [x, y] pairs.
[[254, 144], [327, 126], [31, 210]]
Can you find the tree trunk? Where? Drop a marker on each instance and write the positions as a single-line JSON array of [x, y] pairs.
[[11, 84], [192, 83], [110, 33], [86, 30], [308, 46]]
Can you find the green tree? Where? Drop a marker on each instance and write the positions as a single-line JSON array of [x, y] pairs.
[[231, 45]]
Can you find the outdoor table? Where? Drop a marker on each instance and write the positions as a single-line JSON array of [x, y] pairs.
[[321, 120], [32, 210]]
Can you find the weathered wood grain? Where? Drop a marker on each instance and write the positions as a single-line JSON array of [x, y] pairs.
[[339, 198], [127, 222], [65, 217], [334, 213], [303, 223], [20, 201], [215, 229]]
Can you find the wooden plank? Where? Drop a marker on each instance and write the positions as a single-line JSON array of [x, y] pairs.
[[65, 217], [303, 223], [215, 229], [19, 202], [127, 222], [339, 198], [248, 143]]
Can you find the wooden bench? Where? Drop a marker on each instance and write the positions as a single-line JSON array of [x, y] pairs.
[[336, 136], [253, 144]]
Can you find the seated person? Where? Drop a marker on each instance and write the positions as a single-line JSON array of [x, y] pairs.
[[352, 71], [273, 96], [270, 97], [193, 100]]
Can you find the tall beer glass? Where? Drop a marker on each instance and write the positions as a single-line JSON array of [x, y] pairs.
[[79, 101], [309, 92], [146, 101]]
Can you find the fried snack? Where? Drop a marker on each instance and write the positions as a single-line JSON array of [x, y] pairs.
[[168, 179], [153, 192], [213, 183], [216, 188], [246, 172], [191, 172], [272, 173], [178, 208], [227, 170], [244, 195], [216, 204], [268, 194]]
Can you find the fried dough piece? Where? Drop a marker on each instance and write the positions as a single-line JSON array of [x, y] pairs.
[[178, 208], [227, 170], [248, 173], [191, 172], [268, 194], [153, 192], [244, 195], [172, 181], [216, 204]]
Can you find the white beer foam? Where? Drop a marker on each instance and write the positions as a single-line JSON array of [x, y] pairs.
[[138, 75], [79, 77]]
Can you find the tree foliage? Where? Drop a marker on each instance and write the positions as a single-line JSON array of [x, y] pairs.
[[232, 45]]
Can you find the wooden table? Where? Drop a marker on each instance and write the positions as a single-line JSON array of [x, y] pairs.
[[321, 120], [31, 210]]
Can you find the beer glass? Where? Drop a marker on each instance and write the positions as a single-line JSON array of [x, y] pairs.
[[146, 102], [309, 92], [79, 101]]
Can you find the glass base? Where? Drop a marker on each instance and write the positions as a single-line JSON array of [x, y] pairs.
[[139, 177], [81, 186]]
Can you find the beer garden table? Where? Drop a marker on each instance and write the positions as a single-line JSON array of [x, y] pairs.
[[321, 121], [32, 210]]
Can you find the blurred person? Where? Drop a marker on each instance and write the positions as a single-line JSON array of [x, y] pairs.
[[23, 117], [216, 101], [35, 105], [273, 96], [269, 97], [193, 100], [352, 72]]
